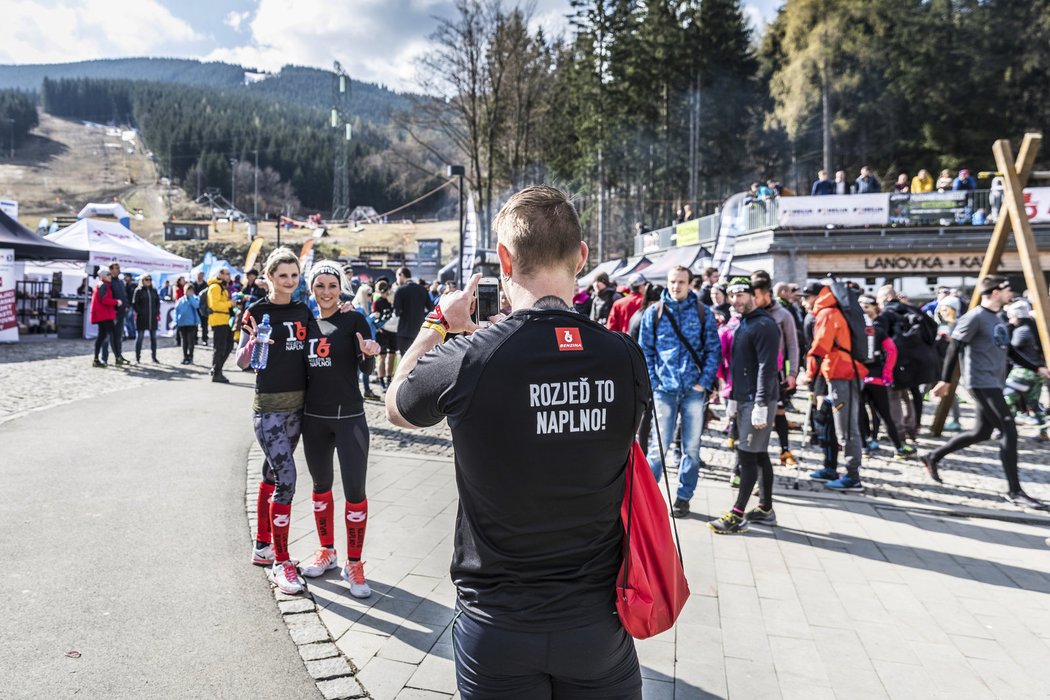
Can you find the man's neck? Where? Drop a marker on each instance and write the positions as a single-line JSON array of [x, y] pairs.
[[992, 306], [525, 292]]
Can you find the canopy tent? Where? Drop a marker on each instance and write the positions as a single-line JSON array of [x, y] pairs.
[[214, 269], [108, 242], [29, 246], [633, 265], [706, 261], [685, 256], [112, 209], [608, 267]]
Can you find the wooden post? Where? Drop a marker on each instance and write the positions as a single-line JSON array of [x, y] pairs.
[[1011, 216]]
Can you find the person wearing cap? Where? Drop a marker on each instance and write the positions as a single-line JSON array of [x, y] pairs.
[[755, 388], [965, 181], [103, 314], [252, 291], [605, 295], [1023, 386], [877, 384], [679, 338], [981, 340], [624, 309]]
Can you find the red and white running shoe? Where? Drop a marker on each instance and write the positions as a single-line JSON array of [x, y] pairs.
[[285, 577], [323, 560], [354, 573]]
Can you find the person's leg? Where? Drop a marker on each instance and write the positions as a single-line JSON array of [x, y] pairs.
[[138, 346], [897, 399], [995, 411], [765, 482], [982, 430], [319, 448], [100, 339], [221, 338], [352, 447], [666, 410], [118, 336], [845, 397], [278, 434], [780, 424], [204, 329], [594, 662], [645, 428], [917, 402], [880, 403], [153, 343], [748, 477], [694, 404], [865, 420], [184, 336]]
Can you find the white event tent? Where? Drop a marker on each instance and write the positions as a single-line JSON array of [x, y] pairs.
[[108, 242]]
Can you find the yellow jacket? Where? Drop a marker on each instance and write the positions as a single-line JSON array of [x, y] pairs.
[[918, 186], [219, 304]]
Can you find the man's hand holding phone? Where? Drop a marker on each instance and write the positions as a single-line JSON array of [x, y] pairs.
[[458, 307]]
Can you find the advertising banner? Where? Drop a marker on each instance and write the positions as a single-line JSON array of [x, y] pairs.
[[428, 259], [185, 231], [930, 207], [687, 233], [8, 314], [470, 238], [9, 207], [834, 210], [1037, 204]]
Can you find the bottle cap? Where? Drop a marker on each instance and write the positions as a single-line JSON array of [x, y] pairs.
[[266, 319]]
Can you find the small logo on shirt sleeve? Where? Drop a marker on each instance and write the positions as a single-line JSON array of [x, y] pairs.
[[568, 339]]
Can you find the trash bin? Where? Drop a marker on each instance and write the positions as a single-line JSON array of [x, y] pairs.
[[70, 324]]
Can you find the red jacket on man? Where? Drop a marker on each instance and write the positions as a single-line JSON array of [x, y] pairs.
[[622, 311], [103, 304]]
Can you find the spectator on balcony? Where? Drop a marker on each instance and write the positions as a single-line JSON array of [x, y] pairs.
[[944, 182], [822, 185], [867, 183], [841, 186], [687, 213], [922, 182], [778, 188], [995, 198], [902, 187], [965, 181]]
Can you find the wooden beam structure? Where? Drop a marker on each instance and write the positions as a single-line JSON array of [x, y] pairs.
[[1012, 217]]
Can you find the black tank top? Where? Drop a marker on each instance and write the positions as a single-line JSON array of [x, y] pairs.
[[332, 360]]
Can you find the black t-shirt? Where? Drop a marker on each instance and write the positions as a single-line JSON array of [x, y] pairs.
[[411, 302], [285, 368], [543, 408], [332, 360]]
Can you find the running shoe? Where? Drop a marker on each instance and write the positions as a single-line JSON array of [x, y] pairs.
[[285, 577], [931, 467], [371, 396], [844, 483], [1028, 419], [757, 516], [734, 481], [1022, 499], [729, 524], [354, 573], [324, 559], [98, 363], [262, 556], [120, 362], [787, 459], [872, 445], [906, 451], [680, 509], [824, 475], [953, 426]]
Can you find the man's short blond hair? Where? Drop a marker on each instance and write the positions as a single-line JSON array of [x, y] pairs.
[[541, 229]]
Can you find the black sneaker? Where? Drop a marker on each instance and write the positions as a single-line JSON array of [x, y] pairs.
[[931, 467], [757, 516], [1022, 499], [680, 509], [98, 363], [220, 379], [729, 524]]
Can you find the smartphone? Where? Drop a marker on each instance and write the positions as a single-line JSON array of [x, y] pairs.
[[487, 304]]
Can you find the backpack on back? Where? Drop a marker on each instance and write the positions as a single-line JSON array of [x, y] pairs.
[[861, 332], [915, 335], [203, 309]]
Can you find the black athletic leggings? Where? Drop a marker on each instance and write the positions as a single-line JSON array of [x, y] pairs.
[[189, 339], [877, 398], [106, 329], [992, 413], [349, 438], [754, 465]]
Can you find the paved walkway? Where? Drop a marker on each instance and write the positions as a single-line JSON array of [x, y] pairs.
[[850, 597]]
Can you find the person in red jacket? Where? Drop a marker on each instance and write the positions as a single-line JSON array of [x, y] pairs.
[[829, 355], [623, 309], [103, 314]]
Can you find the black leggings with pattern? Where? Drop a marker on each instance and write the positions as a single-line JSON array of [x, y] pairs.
[[278, 435]]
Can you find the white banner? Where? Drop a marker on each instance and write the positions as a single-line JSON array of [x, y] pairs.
[[8, 312], [834, 210], [470, 237], [9, 207], [1037, 204]]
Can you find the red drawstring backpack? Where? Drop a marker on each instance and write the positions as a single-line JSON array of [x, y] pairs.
[[651, 589]]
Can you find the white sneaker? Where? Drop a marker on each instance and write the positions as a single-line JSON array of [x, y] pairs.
[[285, 577], [324, 559], [262, 556], [354, 573]]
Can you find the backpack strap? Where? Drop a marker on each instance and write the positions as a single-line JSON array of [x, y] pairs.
[[681, 337]]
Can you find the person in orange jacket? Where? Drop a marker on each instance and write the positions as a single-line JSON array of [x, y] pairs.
[[829, 355]]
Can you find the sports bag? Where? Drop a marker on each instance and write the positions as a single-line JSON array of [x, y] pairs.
[[861, 332], [651, 589]]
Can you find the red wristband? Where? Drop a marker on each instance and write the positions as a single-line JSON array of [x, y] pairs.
[[437, 316]]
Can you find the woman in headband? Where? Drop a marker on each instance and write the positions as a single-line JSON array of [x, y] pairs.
[[339, 344]]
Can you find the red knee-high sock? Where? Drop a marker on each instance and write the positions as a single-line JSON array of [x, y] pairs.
[[356, 520], [324, 511], [262, 512], [280, 519]]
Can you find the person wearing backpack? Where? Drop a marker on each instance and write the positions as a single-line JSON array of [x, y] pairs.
[[679, 338], [915, 336], [877, 385], [831, 357]]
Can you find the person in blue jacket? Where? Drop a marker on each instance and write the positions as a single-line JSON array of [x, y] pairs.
[[679, 338], [187, 316]]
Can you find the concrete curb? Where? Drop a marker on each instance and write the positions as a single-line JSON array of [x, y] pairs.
[[333, 672]]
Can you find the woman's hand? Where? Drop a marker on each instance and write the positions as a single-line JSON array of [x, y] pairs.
[[253, 329], [369, 347]]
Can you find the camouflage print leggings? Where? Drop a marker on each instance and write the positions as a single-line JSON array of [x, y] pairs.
[[278, 435]]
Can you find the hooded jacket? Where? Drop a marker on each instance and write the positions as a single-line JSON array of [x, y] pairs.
[[671, 365], [832, 342], [103, 304], [219, 303], [146, 302]]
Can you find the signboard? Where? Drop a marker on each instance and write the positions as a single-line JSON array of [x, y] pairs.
[[428, 259], [8, 313], [834, 210], [930, 207], [9, 207], [687, 233], [1037, 204], [925, 264], [183, 231]]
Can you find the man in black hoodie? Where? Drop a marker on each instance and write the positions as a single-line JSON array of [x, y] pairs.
[[915, 336]]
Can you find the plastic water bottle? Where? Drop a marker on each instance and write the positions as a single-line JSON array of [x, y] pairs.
[[261, 351]]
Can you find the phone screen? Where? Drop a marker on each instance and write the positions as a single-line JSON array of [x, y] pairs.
[[488, 301]]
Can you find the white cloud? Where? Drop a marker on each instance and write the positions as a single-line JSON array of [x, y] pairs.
[[74, 30], [234, 20]]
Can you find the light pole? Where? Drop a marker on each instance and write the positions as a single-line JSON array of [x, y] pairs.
[[460, 171], [255, 199], [233, 183]]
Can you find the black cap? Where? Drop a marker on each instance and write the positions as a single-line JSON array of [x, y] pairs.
[[812, 289]]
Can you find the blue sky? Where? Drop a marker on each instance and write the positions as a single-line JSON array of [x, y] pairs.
[[375, 40]]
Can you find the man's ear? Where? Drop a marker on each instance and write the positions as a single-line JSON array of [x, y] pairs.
[[584, 251], [506, 262]]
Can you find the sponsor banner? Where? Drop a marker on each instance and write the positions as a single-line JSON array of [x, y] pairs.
[[9, 207], [929, 207], [182, 231], [470, 238], [8, 313], [687, 233], [834, 210], [1037, 204]]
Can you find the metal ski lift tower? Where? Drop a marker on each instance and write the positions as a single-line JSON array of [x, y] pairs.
[[340, 119]]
